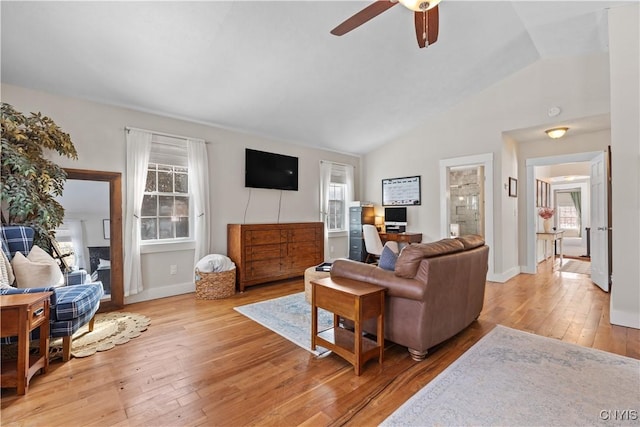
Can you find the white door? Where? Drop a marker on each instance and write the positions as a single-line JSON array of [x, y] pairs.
[[599, 223]]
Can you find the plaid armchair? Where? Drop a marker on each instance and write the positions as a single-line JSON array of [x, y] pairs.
[[72, 306]]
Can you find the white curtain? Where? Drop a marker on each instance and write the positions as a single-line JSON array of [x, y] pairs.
[[77, 240], [325, 180], [349, 180], [138, 149], [199, 189]]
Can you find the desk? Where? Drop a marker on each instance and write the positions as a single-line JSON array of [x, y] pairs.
[[20, 314], [401, 237], [552, 237], [353, 300]]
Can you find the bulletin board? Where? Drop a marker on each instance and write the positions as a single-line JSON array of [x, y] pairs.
[[403, 191]]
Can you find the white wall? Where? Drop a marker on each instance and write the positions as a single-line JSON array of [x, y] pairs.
[[475, 126], [97, 131], [583, 87], [624, 45]]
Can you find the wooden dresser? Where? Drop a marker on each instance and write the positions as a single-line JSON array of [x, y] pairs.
[[267, 252]]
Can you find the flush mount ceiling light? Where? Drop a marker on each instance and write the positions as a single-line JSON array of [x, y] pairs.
[[425, 17], [419, 5], [556, 133]]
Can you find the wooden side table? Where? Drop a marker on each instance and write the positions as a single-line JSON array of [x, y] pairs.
[[19, 315], [354, 300], [554, 236]]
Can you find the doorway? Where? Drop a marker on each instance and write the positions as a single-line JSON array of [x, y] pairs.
[[597, 203], [466, 210], [466, 199], [572, 200]]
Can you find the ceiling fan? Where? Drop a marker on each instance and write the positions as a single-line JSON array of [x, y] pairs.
[[425, 17]]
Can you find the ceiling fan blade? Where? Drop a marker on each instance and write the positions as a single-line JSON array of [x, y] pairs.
[[363, 16], [429, 34]]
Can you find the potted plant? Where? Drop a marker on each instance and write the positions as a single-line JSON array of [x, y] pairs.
[[30, 182], [546, 213]]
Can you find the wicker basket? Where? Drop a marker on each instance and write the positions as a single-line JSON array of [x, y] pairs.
[[215, 285]]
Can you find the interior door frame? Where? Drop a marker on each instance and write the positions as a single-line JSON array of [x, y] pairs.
[[531, 265], [485, 160], [115, 213]]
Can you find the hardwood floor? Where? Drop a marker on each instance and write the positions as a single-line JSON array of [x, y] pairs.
[[201, 363]]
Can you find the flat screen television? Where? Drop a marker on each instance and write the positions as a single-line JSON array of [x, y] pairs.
[[270, 170], [395, 216]]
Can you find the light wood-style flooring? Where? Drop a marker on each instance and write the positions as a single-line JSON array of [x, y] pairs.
[[201, 363]]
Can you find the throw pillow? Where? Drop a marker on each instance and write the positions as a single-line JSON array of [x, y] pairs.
[[6, 272], [36, 270], [5, 248], [388, 259]]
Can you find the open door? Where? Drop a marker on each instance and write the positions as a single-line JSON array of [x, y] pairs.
[[600, 222]]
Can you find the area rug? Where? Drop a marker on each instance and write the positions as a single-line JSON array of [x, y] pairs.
[[109, 330], [290, 317], [573, 266], [516, 378]]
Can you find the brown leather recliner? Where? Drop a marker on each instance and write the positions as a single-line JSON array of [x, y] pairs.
[[436, 290]]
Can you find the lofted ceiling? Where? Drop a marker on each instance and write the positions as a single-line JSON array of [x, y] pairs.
[[271, 68]]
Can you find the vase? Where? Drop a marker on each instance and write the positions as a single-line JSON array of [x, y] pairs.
[[547, 224]]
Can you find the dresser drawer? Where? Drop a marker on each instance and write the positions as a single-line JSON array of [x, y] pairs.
[[263, 237], [263, 269], [264, 252], [302, 249], [302, 235]]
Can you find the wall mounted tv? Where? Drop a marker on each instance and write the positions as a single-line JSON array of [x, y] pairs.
[[401, 191], [270, 170]]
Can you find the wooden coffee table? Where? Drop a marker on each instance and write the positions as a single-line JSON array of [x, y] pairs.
[[354, 300]]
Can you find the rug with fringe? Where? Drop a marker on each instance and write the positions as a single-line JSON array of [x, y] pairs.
[[514, 378]]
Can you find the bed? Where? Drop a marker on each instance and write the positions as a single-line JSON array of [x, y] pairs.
[[100, 266]]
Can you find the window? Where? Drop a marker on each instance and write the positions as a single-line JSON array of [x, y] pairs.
[[165, 213], [568, 215], [336, 191], [337, 203]]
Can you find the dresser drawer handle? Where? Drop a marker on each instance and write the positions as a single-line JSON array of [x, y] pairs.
[[38, 312]]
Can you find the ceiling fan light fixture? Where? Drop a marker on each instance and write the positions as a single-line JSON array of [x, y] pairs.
[[419, 5], [556, 133]]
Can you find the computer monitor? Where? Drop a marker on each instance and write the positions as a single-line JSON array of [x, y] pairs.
[[395, 219]]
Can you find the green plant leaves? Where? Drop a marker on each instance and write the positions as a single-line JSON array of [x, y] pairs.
[[31, 182]]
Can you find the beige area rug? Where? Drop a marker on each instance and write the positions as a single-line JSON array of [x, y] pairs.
[[514, 378], [575, 266], [110, 329]]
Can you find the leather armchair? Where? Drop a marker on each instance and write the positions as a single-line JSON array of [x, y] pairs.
[[436, 290]]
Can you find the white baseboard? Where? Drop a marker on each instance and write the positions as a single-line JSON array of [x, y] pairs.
[[162, 292], [625, 318], [503, 277]]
